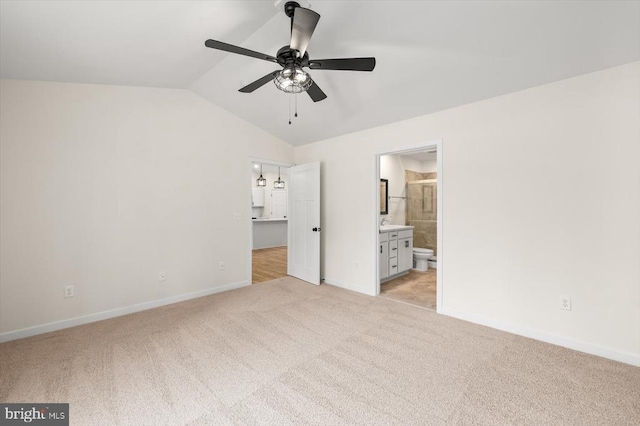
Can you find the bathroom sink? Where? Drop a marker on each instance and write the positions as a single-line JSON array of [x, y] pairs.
[[384, 228]]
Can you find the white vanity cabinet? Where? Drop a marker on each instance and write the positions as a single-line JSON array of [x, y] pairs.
[[396, 251], [383, 254], [405, 250], [393, 253]]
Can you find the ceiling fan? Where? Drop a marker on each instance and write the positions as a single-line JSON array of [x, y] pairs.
[[293, 58]]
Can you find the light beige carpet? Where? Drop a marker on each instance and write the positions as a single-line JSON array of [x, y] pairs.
[[287, 352]]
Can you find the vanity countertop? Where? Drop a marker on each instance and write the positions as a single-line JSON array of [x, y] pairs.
[[268, 219], [388, 228]]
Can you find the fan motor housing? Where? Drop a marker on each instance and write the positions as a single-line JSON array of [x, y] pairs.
[[286, 56]]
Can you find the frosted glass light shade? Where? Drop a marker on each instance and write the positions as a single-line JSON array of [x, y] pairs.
[[293, 80]]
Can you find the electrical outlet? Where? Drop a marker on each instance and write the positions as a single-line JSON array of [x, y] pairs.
[[68, 291], [221, 266], [236, 216], [565, 303], [162, 276]]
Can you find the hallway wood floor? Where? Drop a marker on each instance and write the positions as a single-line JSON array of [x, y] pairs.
[[268, 264], [416, 288]]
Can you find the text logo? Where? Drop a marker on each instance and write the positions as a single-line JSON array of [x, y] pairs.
[[34, 414]]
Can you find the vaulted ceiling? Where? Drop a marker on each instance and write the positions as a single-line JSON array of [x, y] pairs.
[[431, 55]]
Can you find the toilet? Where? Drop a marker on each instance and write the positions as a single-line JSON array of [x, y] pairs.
[[421, 258], [433, 262]]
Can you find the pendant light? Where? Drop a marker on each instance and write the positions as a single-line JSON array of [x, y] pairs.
[[279, 184], [261, 181]]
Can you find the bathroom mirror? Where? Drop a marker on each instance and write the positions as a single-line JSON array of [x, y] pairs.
[[384, 196]]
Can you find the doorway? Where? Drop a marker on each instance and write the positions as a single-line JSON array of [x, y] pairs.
[[409, 225], [269, 221], [285, 221]]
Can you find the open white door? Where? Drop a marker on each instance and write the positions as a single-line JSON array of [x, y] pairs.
[[304, 222]]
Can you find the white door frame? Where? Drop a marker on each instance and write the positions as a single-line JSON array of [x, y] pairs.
[[437, 143], [250, 206]]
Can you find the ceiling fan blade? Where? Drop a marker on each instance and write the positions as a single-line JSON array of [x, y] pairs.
[[303, 24], [259, 83], [239, 50], [315, 93], [344, 64]]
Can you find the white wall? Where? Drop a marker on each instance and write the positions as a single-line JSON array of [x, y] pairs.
[[102, 187], [427, 166], [541, 196]]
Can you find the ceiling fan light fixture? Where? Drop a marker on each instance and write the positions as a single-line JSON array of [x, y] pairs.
[[293, 80], [294, 56]]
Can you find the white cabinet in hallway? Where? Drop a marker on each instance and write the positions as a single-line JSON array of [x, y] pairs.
[[278, 204], [396, 251], [257, 197]]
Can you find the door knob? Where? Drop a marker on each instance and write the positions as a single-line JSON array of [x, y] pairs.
[[317, 229]]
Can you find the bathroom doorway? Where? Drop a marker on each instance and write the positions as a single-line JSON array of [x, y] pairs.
[[409, 234]]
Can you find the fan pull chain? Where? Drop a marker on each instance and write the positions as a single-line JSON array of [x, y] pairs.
[[295, 101]]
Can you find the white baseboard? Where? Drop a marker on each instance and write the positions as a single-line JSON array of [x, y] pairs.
[[99, 316], [578, 345]]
